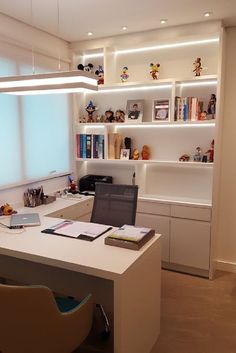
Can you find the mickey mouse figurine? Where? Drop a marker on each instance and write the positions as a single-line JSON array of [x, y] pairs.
[[154, 70], [197, 67], [100, 73]]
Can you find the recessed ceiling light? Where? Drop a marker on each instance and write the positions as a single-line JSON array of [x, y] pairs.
[[207, 14], [90, 33], [124, 28], [163, 21]]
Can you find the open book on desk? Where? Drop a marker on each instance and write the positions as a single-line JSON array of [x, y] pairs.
[[79, 230], [130, 237]]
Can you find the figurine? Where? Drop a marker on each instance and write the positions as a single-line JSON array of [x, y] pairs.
[[197, 67], [184, 158], [109, 116], [211, 109], [90, 109], [145, 152], [100, 73], [154, 70], [198, 155], [124, 76], [120, 116], [135, 154], [211, 152], [204, 158], [202, 115], [88, 68], [6, 210]]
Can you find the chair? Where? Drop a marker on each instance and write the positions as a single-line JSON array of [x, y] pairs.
[[115, 204], [31, 322]]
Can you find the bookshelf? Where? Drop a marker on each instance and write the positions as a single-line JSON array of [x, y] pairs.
[[162, 178]]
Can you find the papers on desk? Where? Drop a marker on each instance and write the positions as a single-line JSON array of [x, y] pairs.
[[79, 230]]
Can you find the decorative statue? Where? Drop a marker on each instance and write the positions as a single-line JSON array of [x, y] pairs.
[[184, 158], [124, 75], [90, 109], [211, 109], [197, 67], [145, 152], [198, 155], [120, 116], [135, 154], [109, 116], [154, 70], [100, 73], [88, 68], [211, 152]]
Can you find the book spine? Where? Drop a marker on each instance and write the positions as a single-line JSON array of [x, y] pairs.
[[78, 145], [84, 146], [101, 146], [88, 146], [95, 146]]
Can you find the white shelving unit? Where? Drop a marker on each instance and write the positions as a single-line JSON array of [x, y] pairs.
[[162, 179]]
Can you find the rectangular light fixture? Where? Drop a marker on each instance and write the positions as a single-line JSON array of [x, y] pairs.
[[45, 83]]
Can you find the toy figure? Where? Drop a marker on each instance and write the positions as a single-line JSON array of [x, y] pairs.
[[211, 152], [197, 67], [90, 109], [6, 210], [211, 109], [154, 70], [120, 116], [204, 158], [87, 68], [124, 76], [202, 115], [198, 155], [135, 154], [109, 116], [100, 73], [145, 152], [184, 158]]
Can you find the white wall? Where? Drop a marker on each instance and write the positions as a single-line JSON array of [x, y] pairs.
[[14, 36], [226, 247]]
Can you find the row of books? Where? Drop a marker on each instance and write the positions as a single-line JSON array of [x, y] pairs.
[[90, 146], [188, 109]]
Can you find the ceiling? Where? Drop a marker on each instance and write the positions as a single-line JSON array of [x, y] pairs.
[[106, 17]]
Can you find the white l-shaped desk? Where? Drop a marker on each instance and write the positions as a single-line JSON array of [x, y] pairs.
[[126, 282]]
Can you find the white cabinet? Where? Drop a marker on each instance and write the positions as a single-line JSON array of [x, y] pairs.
[[161, 224], [190, 243]]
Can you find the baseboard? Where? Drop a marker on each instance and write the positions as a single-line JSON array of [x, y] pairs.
[[225, 266]]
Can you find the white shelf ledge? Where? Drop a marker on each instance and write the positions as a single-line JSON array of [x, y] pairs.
[[149, 162], [210, 122]]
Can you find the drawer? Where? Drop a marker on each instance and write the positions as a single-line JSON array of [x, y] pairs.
[[75, 211], [188, 212], [153, 208]]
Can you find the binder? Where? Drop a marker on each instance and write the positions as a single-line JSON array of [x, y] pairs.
[[123, 237]]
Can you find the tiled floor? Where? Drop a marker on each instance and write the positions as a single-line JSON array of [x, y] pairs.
[[198, 315]]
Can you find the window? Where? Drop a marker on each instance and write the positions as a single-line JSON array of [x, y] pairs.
[[34, 130]]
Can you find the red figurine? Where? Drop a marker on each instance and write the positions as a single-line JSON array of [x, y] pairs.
[[211, 152]]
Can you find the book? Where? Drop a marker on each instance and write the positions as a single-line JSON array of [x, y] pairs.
[[130, 237], [79, 230]]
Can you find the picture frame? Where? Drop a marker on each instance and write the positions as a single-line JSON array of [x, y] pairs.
[[124, 153], [134, 111], [161, 110]]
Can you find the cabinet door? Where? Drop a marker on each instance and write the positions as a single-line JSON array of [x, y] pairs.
[[190, 243], [161, 226]]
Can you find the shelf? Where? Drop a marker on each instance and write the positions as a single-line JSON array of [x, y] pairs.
[[210, 122], [156, 84], [175, 164]]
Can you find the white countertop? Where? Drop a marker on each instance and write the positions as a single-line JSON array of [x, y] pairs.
[[94, 258]]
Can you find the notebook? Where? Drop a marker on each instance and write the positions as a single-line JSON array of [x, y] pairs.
[[25, 219]]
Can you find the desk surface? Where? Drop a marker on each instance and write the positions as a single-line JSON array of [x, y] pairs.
[[93, 258]]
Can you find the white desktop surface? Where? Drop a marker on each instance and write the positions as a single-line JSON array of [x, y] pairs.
[[93, 258]]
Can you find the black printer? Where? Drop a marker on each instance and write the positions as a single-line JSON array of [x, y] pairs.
[[87, 182]]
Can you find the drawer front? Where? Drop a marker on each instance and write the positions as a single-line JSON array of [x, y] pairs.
[[198, 213], [161, 226], [75, 211], [190, 243], [153, 208]]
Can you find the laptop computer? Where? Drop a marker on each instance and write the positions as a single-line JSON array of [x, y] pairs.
[[25, 219]]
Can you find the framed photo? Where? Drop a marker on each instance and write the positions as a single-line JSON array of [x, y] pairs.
[[124, 153], [134, 111], [161, 110]]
